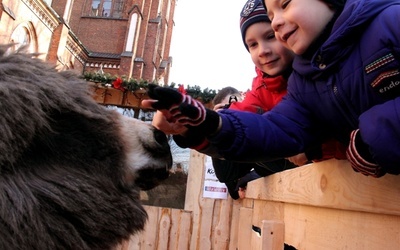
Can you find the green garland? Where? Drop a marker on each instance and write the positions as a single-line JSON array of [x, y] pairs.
[[106, 80], [206, 95]]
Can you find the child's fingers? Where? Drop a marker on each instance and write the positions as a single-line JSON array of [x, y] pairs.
[[148, 103]]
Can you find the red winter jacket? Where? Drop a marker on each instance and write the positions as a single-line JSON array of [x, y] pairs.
[[265, 93]]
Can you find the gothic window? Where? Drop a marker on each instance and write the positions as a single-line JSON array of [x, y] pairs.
[[107, 8], [22, 37]]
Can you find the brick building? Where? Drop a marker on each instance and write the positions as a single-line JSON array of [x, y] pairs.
[[122, 37]]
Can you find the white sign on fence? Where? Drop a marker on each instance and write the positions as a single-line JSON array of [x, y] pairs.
[[212, 187]]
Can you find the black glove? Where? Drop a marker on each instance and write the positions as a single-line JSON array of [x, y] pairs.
[[360, 158], [186, 111], [192, 139], [233, 189]]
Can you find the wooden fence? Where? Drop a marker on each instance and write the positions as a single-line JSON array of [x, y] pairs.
[[326, 205], [320, 206]]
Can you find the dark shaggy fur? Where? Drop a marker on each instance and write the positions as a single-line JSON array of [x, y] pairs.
[[69, 176]]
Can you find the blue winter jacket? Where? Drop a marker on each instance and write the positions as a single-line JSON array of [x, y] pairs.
[[352, 81]]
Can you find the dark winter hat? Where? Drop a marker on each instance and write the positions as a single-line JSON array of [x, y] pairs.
[[252, 12]]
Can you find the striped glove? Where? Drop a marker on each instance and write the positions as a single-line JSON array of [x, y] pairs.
[[186, 111], [360, 158]]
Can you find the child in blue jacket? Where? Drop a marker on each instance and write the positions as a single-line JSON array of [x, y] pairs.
[[345, 84]]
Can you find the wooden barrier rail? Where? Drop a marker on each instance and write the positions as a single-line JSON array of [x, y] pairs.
[[327, 205], [320, 206]]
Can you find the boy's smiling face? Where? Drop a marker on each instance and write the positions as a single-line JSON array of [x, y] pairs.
[[298, 23], [267, 53]]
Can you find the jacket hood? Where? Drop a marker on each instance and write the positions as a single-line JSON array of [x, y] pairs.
[[351, 22]]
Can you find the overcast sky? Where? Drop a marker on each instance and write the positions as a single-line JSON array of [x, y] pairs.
[[207, 47]]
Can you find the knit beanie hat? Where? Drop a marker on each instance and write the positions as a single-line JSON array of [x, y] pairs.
[[252, 12]]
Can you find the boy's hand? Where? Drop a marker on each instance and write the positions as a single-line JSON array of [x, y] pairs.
[[183, 110], [170, 128], [299, 160]]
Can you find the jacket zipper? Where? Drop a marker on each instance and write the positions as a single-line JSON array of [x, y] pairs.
[[341, 105]]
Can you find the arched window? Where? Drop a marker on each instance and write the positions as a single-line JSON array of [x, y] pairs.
[[22, 36]]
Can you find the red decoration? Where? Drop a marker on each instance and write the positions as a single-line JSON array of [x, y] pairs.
[[181, 89], [117, 84]]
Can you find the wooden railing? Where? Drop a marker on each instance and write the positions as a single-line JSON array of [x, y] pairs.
[[327, 205], [320, 206]]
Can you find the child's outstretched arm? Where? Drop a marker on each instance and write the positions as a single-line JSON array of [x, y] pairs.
[[234, 135]]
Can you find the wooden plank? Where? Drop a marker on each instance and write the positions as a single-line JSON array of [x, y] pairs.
[[202, 208], [221, 230], [164, 228], [113, 96], [234, 228], [246, 202], [184, 233], [134, 243], [206, 207], [272, 235], [215, 217], [194, 180], [264, 210], [245, 228], [130, 244], [174, 231], [98, 94], [315, 228], [331, 184], [148, 236]]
